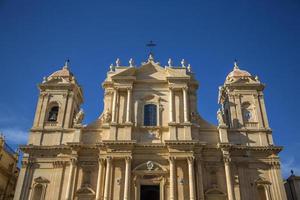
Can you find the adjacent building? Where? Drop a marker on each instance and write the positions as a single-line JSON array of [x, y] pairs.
[[9, 170], [150, 142], [292, 187]]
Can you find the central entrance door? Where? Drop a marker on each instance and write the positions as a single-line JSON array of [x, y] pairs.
[[150, 192]]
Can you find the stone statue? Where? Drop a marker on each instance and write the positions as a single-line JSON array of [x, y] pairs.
[[131, 62], [111, 67], [79, 117], [189, 68], [220, 117], [182, 63], [118, 62], [170, 62], [106, 116]]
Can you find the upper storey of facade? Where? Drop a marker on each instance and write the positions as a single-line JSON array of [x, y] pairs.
[[150, 104]]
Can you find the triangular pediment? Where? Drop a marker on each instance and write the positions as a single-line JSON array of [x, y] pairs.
[[151, 70], [123, 72]]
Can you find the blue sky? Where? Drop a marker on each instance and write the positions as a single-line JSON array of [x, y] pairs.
[[37, 36]]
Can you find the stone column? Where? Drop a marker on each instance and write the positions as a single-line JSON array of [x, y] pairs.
[[191, 178], [107, 178], [114, 103], [127, 178], [99, 178], [200, 178], [38, 110], [258, 111], [128, 117], [27, 179], [185, 105], [171, 116], [172, 178], [70, 179], [263, 110], [43, 112], [227, 160]]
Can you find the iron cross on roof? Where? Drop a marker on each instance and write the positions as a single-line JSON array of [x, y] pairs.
[[151, 44]]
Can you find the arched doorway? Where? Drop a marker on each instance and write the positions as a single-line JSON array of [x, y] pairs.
[[149, 181]]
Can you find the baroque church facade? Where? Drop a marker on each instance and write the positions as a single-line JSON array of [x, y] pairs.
[[150, 142]]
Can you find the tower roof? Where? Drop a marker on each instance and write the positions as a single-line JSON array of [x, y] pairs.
[[64, 72], [64, 75], [237, 72]]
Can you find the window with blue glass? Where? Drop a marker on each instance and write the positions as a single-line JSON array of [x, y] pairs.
[[150, 115]]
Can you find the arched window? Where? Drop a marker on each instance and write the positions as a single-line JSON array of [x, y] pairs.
[[150, 115], [38, 192], [53, 113]]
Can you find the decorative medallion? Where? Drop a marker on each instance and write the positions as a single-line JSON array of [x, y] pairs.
[[150, 165]]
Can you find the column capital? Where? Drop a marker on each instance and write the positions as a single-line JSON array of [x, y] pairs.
[[190, 159], [116, 88], [225, 152], [58, 164], [226, 159], [109, 159], [128, 158], [27, 163], [73, 161], [172, 159], [101, 161], [184, 88]]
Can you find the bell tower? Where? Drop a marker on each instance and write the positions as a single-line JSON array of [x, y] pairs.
[[243, 108], [58, 107]]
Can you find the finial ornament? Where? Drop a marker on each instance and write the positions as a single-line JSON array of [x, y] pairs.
[[183, 63], [150, 58], [189, 68], [44, 79], [67, 62], [111, 67], [170, 62], [118, 62], [235, 64], [131, 62]]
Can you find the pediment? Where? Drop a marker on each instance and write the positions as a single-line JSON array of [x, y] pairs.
[[124, 72], [243, 80], [151, 70], [262, 181], [56, 80], [179, 72]]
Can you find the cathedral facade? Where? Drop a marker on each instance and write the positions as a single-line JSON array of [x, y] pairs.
[[150, 142]]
